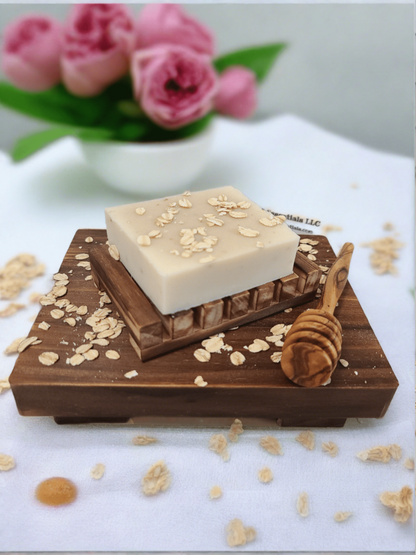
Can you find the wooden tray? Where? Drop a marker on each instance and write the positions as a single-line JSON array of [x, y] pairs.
[[98, 391]]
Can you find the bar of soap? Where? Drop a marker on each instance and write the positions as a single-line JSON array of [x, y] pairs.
[[194, 248]]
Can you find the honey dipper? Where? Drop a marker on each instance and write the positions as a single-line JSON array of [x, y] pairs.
[[313, 344]]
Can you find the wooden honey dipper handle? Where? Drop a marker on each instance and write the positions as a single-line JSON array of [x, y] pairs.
[[311, 350], [336, 279]]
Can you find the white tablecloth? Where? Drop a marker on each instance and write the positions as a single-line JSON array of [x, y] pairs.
[[291, 166]]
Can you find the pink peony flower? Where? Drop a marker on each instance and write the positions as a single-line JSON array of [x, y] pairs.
[[98, 42], [173, 84], [31, 51], [169, 24], [237, 95]]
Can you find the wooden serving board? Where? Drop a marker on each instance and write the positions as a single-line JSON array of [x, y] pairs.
[[98, 391]]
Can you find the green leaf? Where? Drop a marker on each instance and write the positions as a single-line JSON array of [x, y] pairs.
[[56, 105], [32, 143], [259, 59], [131, 131], [158, 134]]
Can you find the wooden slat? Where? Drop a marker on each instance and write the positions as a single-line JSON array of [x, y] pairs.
[[137, 310], [289, 287]]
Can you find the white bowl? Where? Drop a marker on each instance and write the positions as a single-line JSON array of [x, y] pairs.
[[153, 169]]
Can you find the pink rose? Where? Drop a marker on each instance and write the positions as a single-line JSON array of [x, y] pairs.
[[169, 24], [98, 41], [237, 95], [173, 84], [31, 52]]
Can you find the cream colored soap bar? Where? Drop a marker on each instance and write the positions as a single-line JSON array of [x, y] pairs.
[[193, 248]]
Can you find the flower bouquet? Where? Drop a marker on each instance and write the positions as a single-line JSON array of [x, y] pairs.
[[104, 76]]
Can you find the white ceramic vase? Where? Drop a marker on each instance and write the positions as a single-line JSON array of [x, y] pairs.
[[150, 169]]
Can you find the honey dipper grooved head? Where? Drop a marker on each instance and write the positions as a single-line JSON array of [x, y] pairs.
[[306, 364]]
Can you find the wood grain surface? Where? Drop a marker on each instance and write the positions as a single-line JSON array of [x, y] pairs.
[[311, 353], [98, 391]]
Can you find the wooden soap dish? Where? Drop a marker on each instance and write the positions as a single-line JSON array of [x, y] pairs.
[[117, 389], [153, 333]]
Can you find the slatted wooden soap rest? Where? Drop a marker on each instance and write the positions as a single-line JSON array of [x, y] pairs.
[[98, 391], [153, 333]]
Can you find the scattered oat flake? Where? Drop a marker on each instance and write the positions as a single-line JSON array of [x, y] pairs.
[[60, 277], [381, 453], [11, 309], [302, 504], [70, 321], [82, 310], [56, 313], [12, 348], [184, 203], [384, 251], [156, 479], [254, 348], [276, 357], [199, 381], [44, 326], [246, 232], [113, 250], [26, 343], [92, 354], [330, 227], [401, 501], [143, 240], [35, 297], [82, 256], [331, 448], [4, 385], [83, 348], [113, 355], [76, 360], [236, 429], [307, 439], [215, 492], [344, 362], [237, 358], [238, 534], [97, 471], [206, 259], [288, 310], [17, 274], [265, 475], [155, 234], [213, 344], [268, 222], [272, 445], [278, 329], [409, 464], [48, 358], [143, 440], [6, 462], [341, 516], [218, 443], [202, 355], [88, 239], [140, 210], [238, 215], [88, 278], [395, 451], [263, 344]]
